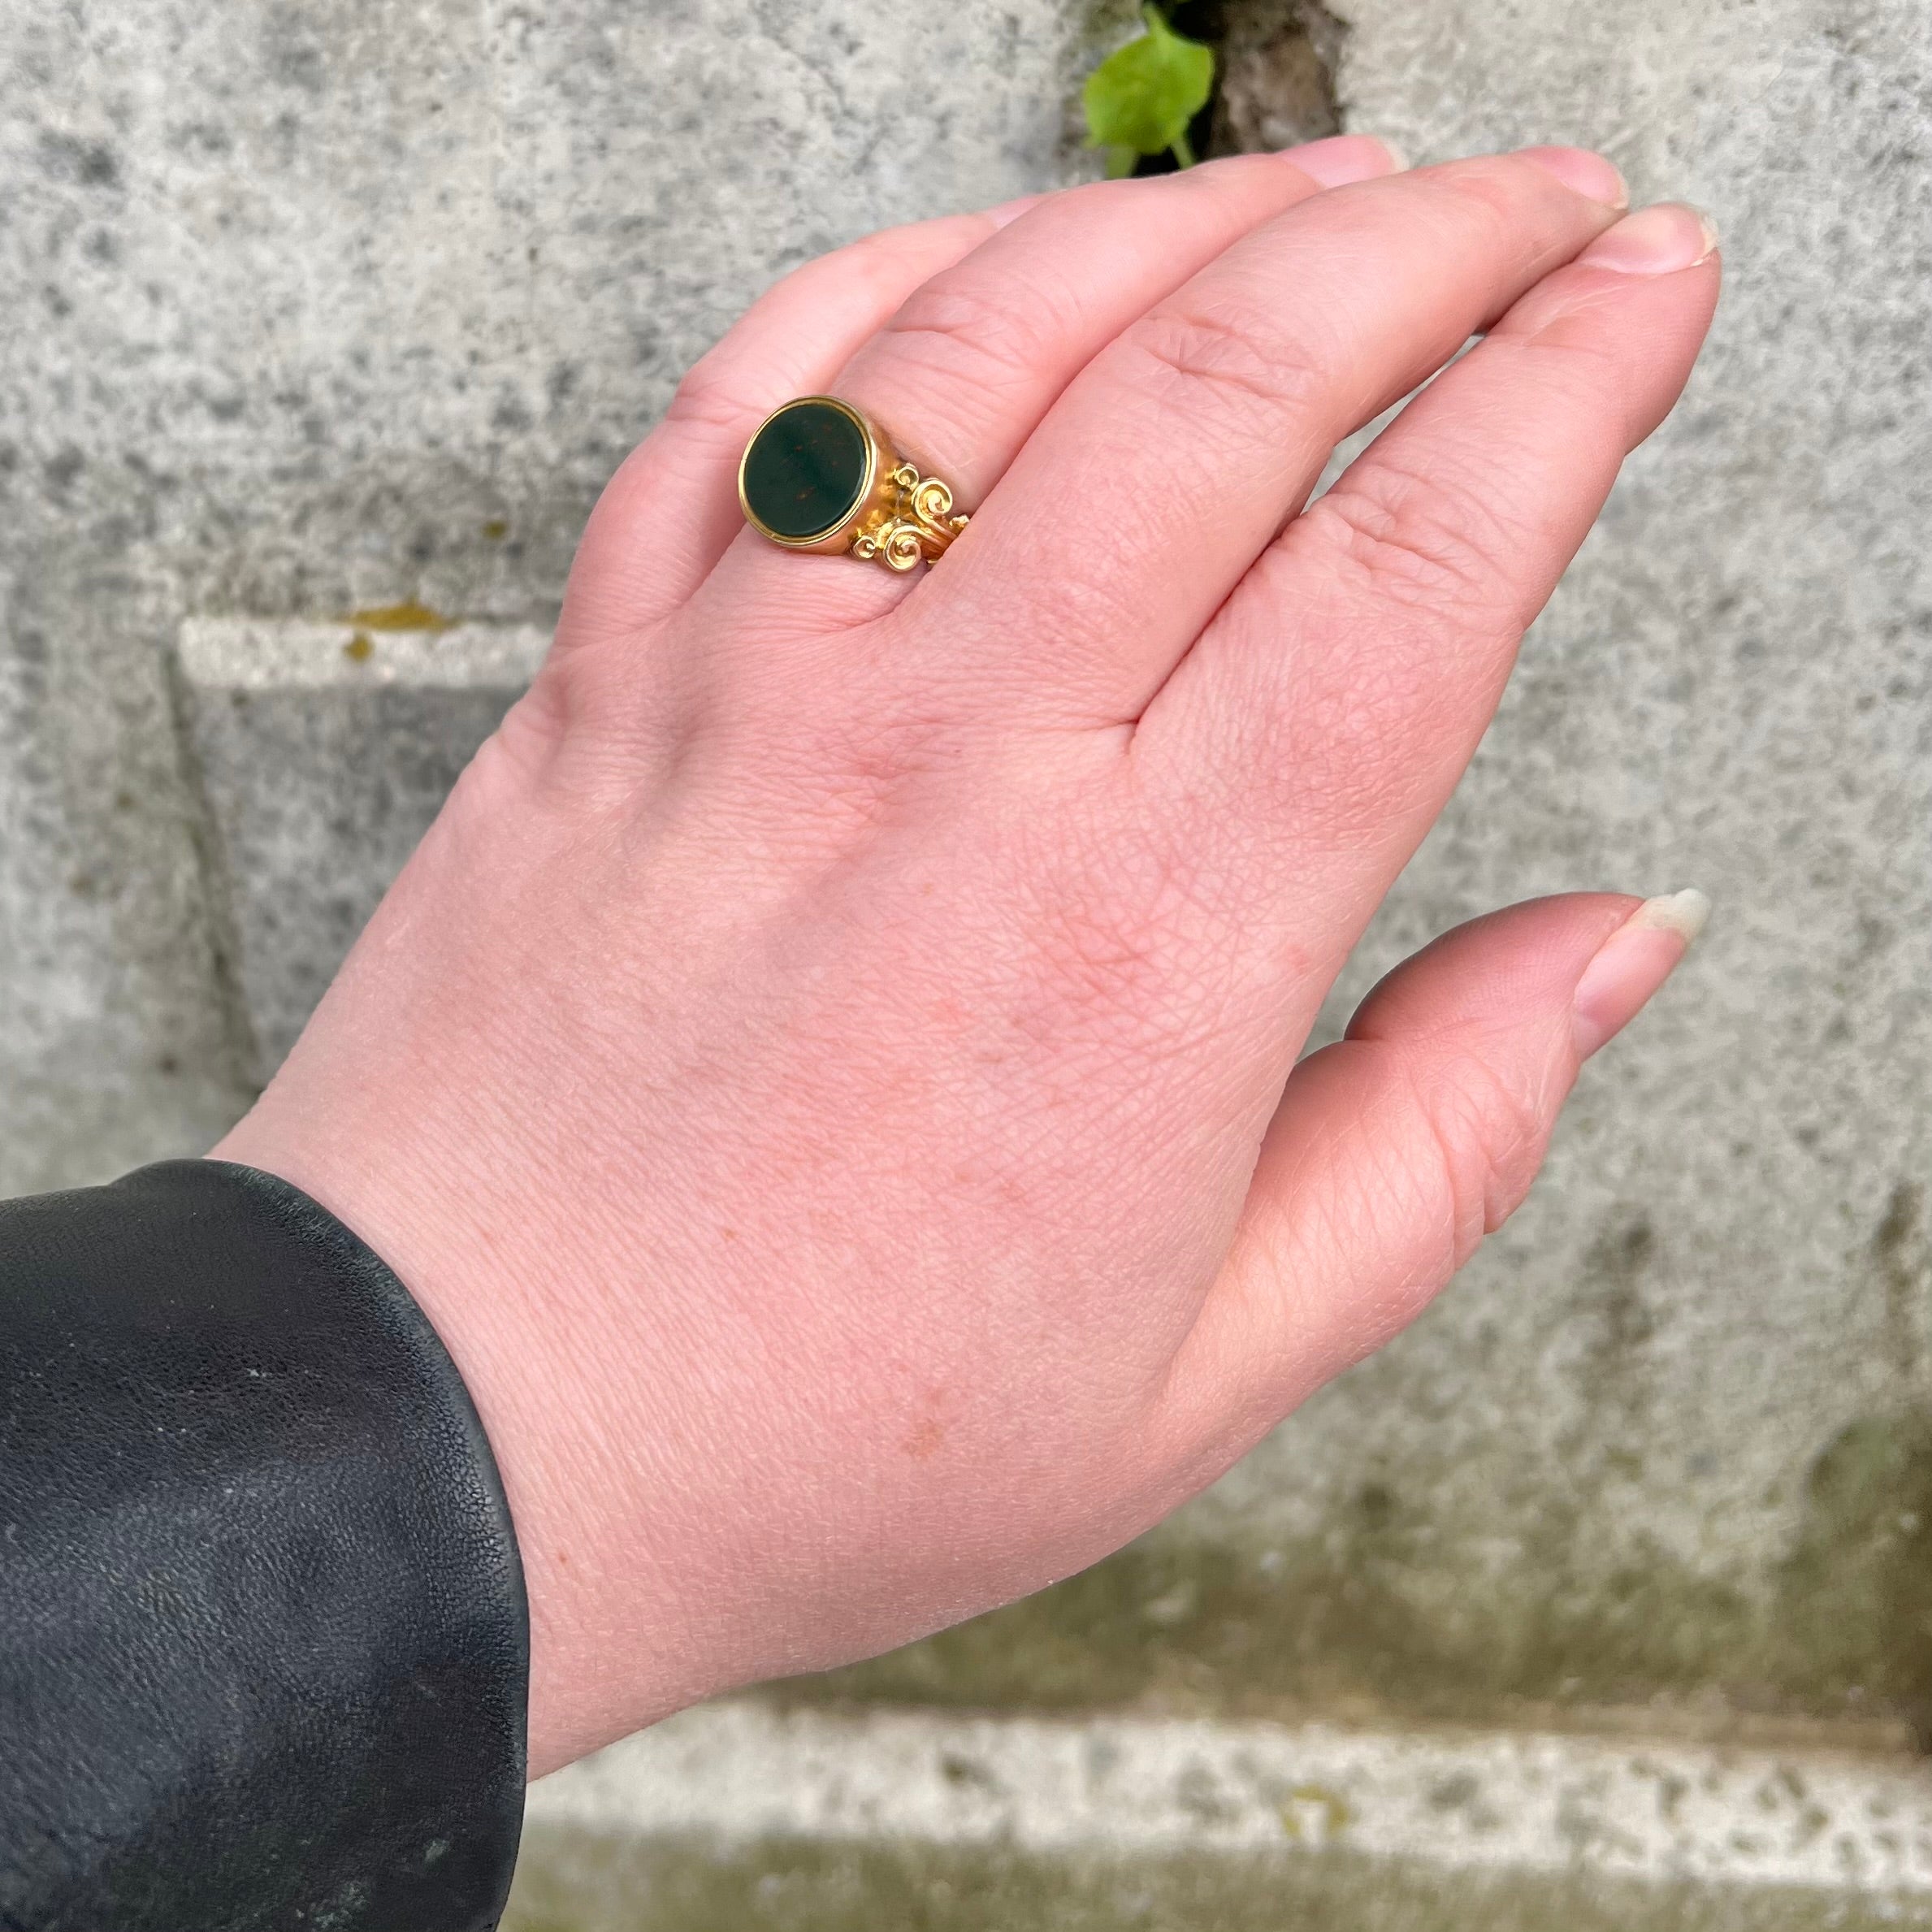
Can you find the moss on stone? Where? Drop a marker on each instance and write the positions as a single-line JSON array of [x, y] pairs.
[[1855, 1604], [410, 615], [1365, 1619]]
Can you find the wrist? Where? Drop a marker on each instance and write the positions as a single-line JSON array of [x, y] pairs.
[[612, 1637]]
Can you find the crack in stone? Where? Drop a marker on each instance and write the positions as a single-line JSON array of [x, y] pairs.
[[1275, 62], [1277, 81]]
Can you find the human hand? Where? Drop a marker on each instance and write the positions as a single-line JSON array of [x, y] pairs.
[[829, 1073]]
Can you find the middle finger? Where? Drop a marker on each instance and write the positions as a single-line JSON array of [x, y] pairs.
[[1168, 466]]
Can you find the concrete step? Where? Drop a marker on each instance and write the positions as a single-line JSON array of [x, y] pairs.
[[324, 749], [1653, 1452], [749, 1816], [1652, 1446]]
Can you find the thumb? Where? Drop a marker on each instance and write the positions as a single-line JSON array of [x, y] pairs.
[[1394, 1151]]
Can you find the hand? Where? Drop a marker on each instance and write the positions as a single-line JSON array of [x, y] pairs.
[[829, 1073]]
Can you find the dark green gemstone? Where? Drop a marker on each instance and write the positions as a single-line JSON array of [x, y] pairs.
[[805, 470]]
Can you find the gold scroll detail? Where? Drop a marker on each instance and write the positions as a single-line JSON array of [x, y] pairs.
[[919, 525]]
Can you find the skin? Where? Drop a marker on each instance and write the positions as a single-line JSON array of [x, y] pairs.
[[830, 1073]]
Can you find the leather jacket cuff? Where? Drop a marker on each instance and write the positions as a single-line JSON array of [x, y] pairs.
[[264, 1647]]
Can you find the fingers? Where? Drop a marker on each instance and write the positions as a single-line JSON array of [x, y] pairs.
[[1327, 713], [1394, 1151], [972, 360], [1166, 469], [960, 376], [668, 514]]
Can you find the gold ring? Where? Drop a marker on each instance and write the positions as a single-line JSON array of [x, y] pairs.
[[817, 475]]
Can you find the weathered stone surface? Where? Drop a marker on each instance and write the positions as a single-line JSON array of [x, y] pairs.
[[338, 307], [325, 750], [116, 1041], [573, 1881], [737, 1815], [1671, 1431], [1669, 1437], [317, 307], [1277, 79]]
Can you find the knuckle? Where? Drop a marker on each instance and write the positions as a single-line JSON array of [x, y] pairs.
[[1486, 1135], [833, 785], [964, 333], [1333, 749], [1416, 541], [1238, 357], [713, 399], [1125, 956], [1487, 189], [1581, 368], [1488, 201], [1352, 760]]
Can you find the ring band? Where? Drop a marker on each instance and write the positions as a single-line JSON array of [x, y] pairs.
[[819, 476]]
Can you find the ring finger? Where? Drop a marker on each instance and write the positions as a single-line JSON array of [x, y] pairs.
[[674, 490], [962, 374]]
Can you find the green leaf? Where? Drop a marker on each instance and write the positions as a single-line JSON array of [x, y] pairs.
[[1141, 97]]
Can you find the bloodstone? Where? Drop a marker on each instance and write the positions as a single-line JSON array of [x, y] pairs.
[[805, 470]]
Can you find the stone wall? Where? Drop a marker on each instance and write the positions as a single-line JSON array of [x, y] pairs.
[[320, 307], [332, 321]]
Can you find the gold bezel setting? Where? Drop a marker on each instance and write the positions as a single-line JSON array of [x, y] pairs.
[[838, 536], [899, 517]]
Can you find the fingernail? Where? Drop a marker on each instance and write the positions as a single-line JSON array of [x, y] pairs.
[[1346, 157], [1654, 241], [1583, 170], [1632, 963]]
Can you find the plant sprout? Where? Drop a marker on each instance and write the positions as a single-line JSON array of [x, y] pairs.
[[1140, 98]]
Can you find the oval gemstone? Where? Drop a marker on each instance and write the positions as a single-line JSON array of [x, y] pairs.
[[805, 470]]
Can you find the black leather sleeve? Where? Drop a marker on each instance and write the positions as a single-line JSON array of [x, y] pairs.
[[263, 1644]]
